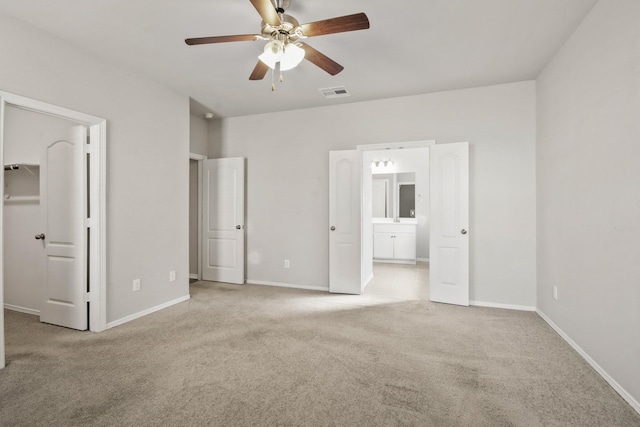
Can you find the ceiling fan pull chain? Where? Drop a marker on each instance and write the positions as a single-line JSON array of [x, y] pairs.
[[273, 85]]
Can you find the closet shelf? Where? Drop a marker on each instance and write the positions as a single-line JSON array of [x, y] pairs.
[[22, 199]]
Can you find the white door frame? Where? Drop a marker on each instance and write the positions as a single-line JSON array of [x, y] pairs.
[[199, 158], [97, 199]]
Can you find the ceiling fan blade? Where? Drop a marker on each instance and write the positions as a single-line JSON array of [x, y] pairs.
[[321, 60], [259, 71], [267, 11], [222, 39], [358, 21]]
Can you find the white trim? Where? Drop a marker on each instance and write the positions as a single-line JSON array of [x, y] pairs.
[[22, 309], [199, 158], [423, 259], [147, 311], [396, 145], [98, 233], [613, 383], [49, 109], [193, 276], [2, 110], [505, 306], [367, 281], [287, 285]]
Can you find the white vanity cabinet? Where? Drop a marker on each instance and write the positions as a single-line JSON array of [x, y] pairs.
[[394, 242]]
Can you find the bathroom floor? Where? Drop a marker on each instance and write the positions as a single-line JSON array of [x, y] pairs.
[[400, 281]]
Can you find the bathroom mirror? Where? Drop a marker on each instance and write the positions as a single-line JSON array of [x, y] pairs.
[[394, 195]]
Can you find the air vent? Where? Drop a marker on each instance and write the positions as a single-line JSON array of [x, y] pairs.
[[334, 92]]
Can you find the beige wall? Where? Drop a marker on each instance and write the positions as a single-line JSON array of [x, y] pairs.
[[198, 135], [287, 180], [147, 148], [588, 203]]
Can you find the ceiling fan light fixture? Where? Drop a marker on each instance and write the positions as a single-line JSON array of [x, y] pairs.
[[292, 56], [273, 52]]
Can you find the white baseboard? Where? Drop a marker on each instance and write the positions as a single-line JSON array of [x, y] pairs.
[[147, 311], [22, 309], [505, 306], [613, 383], [193, 276], [287, 285]]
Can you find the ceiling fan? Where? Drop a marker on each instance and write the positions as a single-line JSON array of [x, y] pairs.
[[284, 49]]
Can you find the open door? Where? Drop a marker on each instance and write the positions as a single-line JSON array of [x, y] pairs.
[[63, 191], [223, 220], [345, 271], [449, 247]]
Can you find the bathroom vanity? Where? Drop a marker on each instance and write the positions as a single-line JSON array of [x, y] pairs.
[[394, 241]]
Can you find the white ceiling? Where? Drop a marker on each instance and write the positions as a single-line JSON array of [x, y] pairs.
[[412, 47]]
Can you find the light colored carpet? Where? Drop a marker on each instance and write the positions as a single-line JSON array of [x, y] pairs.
[[252, 355]]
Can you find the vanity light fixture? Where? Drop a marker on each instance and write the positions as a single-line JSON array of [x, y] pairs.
[[383, 163]]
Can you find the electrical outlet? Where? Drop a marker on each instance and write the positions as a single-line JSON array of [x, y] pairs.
[[286, 263], [555, 293], [172, 276], [136, 285]]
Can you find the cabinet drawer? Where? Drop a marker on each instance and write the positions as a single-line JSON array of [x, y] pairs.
[[394, 228]]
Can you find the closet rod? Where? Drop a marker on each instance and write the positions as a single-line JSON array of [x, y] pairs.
[[11, 167]]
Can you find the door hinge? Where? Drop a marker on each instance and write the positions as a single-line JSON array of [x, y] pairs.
[[88, 148], [86, 297], [88, 222]]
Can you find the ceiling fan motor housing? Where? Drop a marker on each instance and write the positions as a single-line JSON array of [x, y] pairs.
[[290, 29]]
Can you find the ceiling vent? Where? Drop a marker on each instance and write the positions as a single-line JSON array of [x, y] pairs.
[[334, 92]]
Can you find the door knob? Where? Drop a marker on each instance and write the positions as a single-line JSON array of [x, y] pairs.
[[40, 236], [238, 227], [333, 228], [463, 231]]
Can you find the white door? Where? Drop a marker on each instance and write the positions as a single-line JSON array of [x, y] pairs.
[[449, 247], [63, 204], [345, 222], [223, 220]]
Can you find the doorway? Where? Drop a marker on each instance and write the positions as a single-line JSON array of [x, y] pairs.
[[396, 256], [90, 151], [351, 214]]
